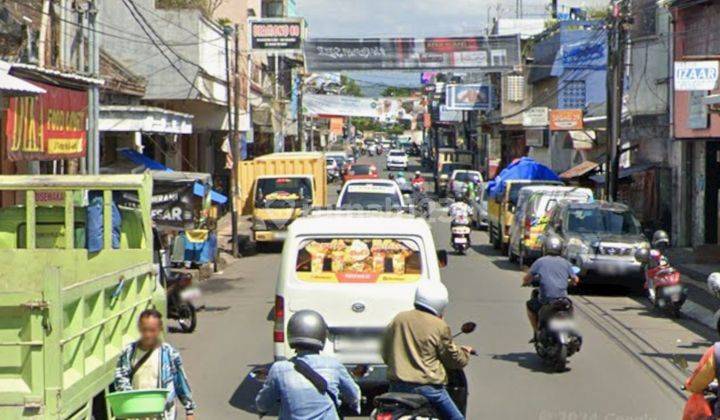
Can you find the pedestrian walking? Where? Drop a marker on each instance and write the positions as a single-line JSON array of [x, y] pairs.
[[149, 363]]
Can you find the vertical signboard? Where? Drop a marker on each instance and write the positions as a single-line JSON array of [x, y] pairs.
[[47, 127]]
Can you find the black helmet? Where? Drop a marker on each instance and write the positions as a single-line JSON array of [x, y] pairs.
[[642, 255], [553, 245], [660, 239], [307, 330]]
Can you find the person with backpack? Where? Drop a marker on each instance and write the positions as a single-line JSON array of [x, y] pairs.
[[309, 385], [150, 363]]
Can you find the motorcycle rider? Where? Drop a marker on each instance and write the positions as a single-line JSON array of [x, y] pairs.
[[418, 349], [459, 209], [707, 370], [309, 385], [418, 180], [553, 273]]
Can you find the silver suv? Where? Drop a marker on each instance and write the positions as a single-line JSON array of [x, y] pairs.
[[600, 238]]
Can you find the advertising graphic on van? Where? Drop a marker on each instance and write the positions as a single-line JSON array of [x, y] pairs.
[[356, 260]]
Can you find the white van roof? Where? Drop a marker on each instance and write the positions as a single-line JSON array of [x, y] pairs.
[[358, 222]]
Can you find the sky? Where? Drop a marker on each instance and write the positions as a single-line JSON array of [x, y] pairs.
[[412, 18]]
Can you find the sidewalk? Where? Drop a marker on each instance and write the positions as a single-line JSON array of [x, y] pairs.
[[696, 265]]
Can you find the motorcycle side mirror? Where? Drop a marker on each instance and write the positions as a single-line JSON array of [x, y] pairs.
[[442, 257], [468, 327]]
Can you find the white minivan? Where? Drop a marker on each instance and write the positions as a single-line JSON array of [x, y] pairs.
[[357, 269]]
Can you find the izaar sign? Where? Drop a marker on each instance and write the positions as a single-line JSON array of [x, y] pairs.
[[696, 75]]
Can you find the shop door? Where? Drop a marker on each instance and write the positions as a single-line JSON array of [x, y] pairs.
[[712, 189]]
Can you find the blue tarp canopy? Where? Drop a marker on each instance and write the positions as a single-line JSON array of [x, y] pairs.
[[153, 165], [523, 168]]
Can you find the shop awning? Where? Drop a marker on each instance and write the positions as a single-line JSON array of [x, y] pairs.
[[167, 173], [15, 86], [580, 170], [626, 172], [142, 118]]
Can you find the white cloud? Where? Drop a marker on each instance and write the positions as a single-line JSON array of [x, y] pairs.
[[384, 18]]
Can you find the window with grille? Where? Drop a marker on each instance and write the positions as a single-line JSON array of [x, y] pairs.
[[515, 88], [573, 96]]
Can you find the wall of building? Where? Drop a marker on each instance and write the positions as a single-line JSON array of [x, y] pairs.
[[193, 37]]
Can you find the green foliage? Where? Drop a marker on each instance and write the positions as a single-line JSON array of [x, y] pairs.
[[351, 86], [397, 91]]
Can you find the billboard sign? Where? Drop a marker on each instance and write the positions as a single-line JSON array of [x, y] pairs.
[[49, 126], [494, 53], [696, 75], [470, 97], [536, 117], [338, 105], [566, 119], [276, 34]]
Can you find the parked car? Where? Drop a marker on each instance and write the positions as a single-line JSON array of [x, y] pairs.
[[480, 209], [535, 205], [601, 239], [501, 210], [372, 194], [459, 180], [444, 175], [357, 270], [397, 160], [360, 171]]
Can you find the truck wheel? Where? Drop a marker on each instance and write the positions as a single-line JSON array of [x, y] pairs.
[[496, 239]]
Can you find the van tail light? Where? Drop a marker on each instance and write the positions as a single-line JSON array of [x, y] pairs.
[[373, 169], [279, 328], [528, 226], [384, 416]]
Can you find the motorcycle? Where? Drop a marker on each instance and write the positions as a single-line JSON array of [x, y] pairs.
[[662, 281], [181, 298], [181, 294], [407, 406], [460, 233], [557, 337]]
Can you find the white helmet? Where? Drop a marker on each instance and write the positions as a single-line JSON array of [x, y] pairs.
[[713, 283], [432, 296]]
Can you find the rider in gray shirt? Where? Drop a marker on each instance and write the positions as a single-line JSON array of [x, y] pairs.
[[554, 273]]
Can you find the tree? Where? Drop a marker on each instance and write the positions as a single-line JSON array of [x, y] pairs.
[[397, 91], [350, 86]]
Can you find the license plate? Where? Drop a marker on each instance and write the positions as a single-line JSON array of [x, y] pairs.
[[460, 240], [356, 344], [190, 294], [673, 289], [561, 324], [463, 230]]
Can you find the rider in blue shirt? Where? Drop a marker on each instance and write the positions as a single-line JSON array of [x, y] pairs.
[[300, 397]]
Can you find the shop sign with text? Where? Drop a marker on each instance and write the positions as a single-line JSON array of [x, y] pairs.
[[47, 127], [276, 34], [566, 119]]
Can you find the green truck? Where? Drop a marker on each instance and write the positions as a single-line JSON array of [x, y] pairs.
[[65, 312]]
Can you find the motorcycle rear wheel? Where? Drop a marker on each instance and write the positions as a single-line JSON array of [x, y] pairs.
[[187, 317], [560, 364]]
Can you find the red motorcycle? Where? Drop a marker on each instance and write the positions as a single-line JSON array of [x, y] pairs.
[[662, 281]]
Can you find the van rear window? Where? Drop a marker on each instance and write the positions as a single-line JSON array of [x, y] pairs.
[[359, 260]]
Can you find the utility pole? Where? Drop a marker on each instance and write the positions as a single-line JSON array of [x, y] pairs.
[[300, 116], [93, 141], [227, 31], [617, 37]]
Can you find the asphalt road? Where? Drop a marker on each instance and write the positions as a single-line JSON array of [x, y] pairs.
[[627, 369]]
